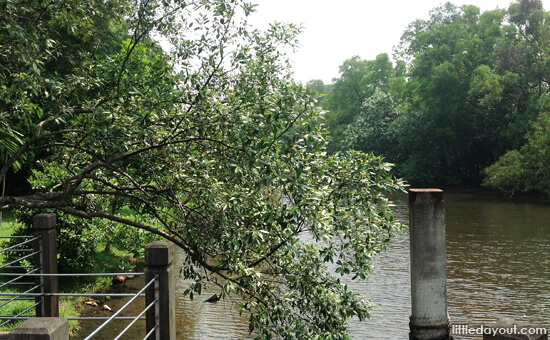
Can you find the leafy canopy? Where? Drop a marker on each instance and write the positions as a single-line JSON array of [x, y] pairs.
[[466, 88], [207, 140]]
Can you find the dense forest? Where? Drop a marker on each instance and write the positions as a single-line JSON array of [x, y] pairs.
[[465, 101]]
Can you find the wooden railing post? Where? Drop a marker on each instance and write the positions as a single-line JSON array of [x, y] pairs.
[[158, 259], [429, 318], [46, 259]]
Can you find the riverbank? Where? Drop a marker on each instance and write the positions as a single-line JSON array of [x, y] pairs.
[[482, 192], [102, 261]]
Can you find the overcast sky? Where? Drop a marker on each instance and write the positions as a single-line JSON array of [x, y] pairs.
[[337, 30]]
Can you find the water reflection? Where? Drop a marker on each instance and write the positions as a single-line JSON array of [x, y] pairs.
[[389, 289], [498, 256], [497, 260], [198, 320]]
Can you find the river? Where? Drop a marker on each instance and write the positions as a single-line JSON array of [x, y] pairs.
[[498, 265]]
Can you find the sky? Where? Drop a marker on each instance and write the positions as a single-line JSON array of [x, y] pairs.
[[334, 31]]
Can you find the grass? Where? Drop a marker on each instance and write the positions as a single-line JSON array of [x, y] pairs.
[[15, 307], [115, 260], [9, 224]]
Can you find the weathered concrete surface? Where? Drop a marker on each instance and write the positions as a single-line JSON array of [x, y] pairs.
[[428, 265], [41, 329]]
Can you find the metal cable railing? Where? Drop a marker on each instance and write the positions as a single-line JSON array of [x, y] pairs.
[[19, 296], [74, 274], [138, 317], [31, 294], [44, 294], [15, 236], [19, 259], [18, 248], [14, 247], [154, 303], [73, 294], [20, 276], [94, 333], [17, 317]]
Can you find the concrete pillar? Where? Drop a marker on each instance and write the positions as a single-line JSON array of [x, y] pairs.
[[158, 259], [41, 329], [510, 329], [44, 227], [428, 267]]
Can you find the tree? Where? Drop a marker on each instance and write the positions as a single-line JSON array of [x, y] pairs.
[[358, 81], [317, 85], [476, 79], [525, 169], [524, 166], [208, 141], [462, 84], [371, 131], [10, 143]]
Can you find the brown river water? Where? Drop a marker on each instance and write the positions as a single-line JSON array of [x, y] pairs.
[[498, 265]]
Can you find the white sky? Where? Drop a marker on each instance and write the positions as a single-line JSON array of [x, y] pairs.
[[337, 30]]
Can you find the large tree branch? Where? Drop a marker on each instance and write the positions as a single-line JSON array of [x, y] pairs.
[[25, 147], [177, 240], [39, 201]]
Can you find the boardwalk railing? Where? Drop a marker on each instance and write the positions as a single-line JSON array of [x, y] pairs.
[[24, 251], [159, 313]]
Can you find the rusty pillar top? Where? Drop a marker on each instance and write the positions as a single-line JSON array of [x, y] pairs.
[[437, 194]]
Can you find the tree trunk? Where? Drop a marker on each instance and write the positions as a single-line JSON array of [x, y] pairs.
[[109, 229], [3, 186]]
